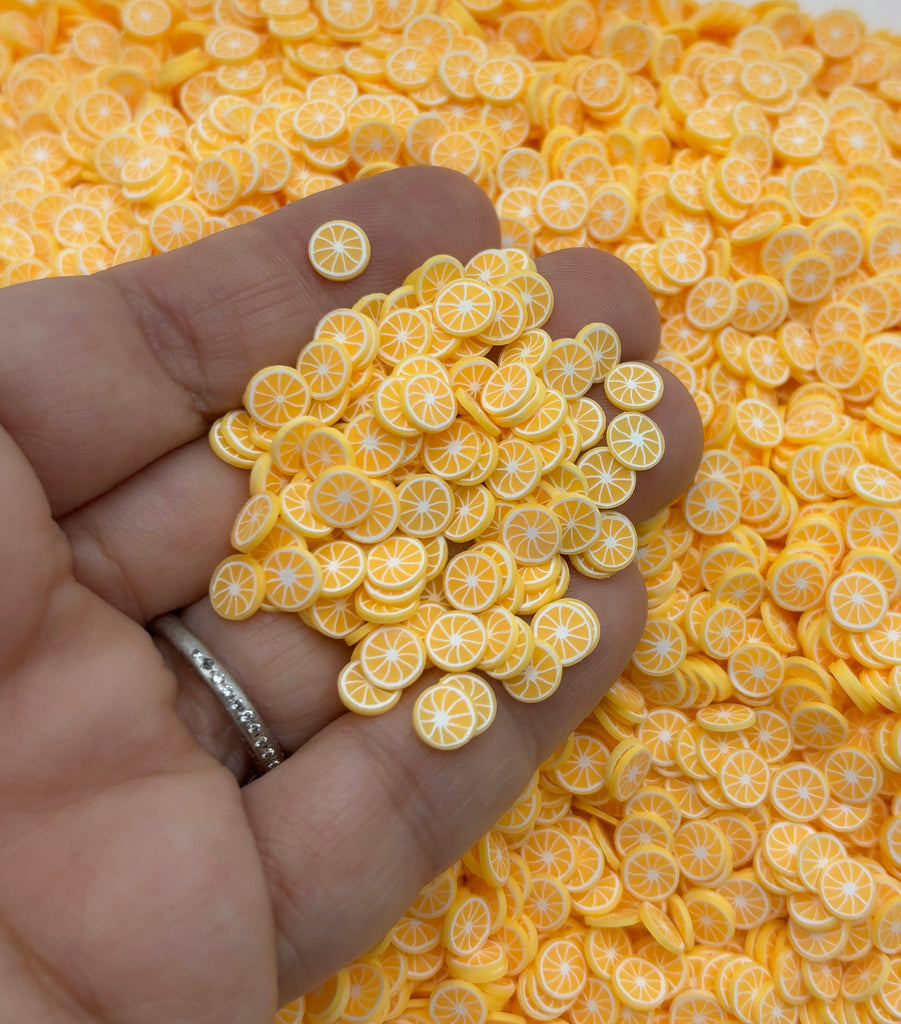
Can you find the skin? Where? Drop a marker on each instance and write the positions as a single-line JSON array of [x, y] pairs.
[[140, 881]]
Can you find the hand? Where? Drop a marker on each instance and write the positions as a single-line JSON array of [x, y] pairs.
[[139, 882]]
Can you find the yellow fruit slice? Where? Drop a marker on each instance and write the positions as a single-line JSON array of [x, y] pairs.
[[456, 641], [359, 694], [464, 307], [425, 504], [472, 581], [532, 533], [396, 564], [429, 402], [568, 626], [292, 577], [445, 718], [339, 250], [847, 888], [392, 657], [635, 440], [341, 496], [607, 481], [539, 679], [633, 386], [237, 587], [638, 983], [856, 601], [326, 366], [483, 701], [257, 517], [276, 395]]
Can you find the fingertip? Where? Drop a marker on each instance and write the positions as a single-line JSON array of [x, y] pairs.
[[592, 286], [401, 207], [458, 199]]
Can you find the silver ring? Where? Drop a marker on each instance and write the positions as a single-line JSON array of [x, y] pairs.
[[264, 747]]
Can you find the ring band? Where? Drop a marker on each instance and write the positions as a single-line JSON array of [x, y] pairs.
[[264, 747]]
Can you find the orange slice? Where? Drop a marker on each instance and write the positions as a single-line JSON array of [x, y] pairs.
[[569, 627], [484, 702], [257, 517], [680, 261], [434, 274], [661, 649], [318, 120], [359, 694], [425, 504], [604, 344], [638, 983], [710, 304], [581, 522], [539, 679], [456, 641], [341, 496], [535, 294], [464, 307], [518, 471], [570, 368], [403, 333], [507, 390], [392, 657], [353, 330], [635, 440], [276, 395], [589, 418], [472, 581], [455, 1001], [396, 564], [326, 366], [429, 402], [712, 506], [323, 448], [633, 386], [287, 443], [743, 777], [453, 452], [335, 616], [649, 872], [509, 318], [875, 484], [856, 601], [473, 510], [237, 587], [444, 717], [217, 184], [532, 533], [339, 250], [712, 916], [853, 775], [607, 481], [292, 577], [847, 888], [388, 406], [721, 632], [799, 792]]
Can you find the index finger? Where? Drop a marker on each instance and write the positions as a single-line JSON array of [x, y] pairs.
[[101, 376]]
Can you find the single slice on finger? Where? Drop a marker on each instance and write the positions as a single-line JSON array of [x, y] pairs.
[[339, 250]]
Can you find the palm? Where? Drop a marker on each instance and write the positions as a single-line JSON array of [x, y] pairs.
[[139, 881]]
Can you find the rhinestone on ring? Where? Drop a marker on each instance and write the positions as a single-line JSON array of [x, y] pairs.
[[264, 747]]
